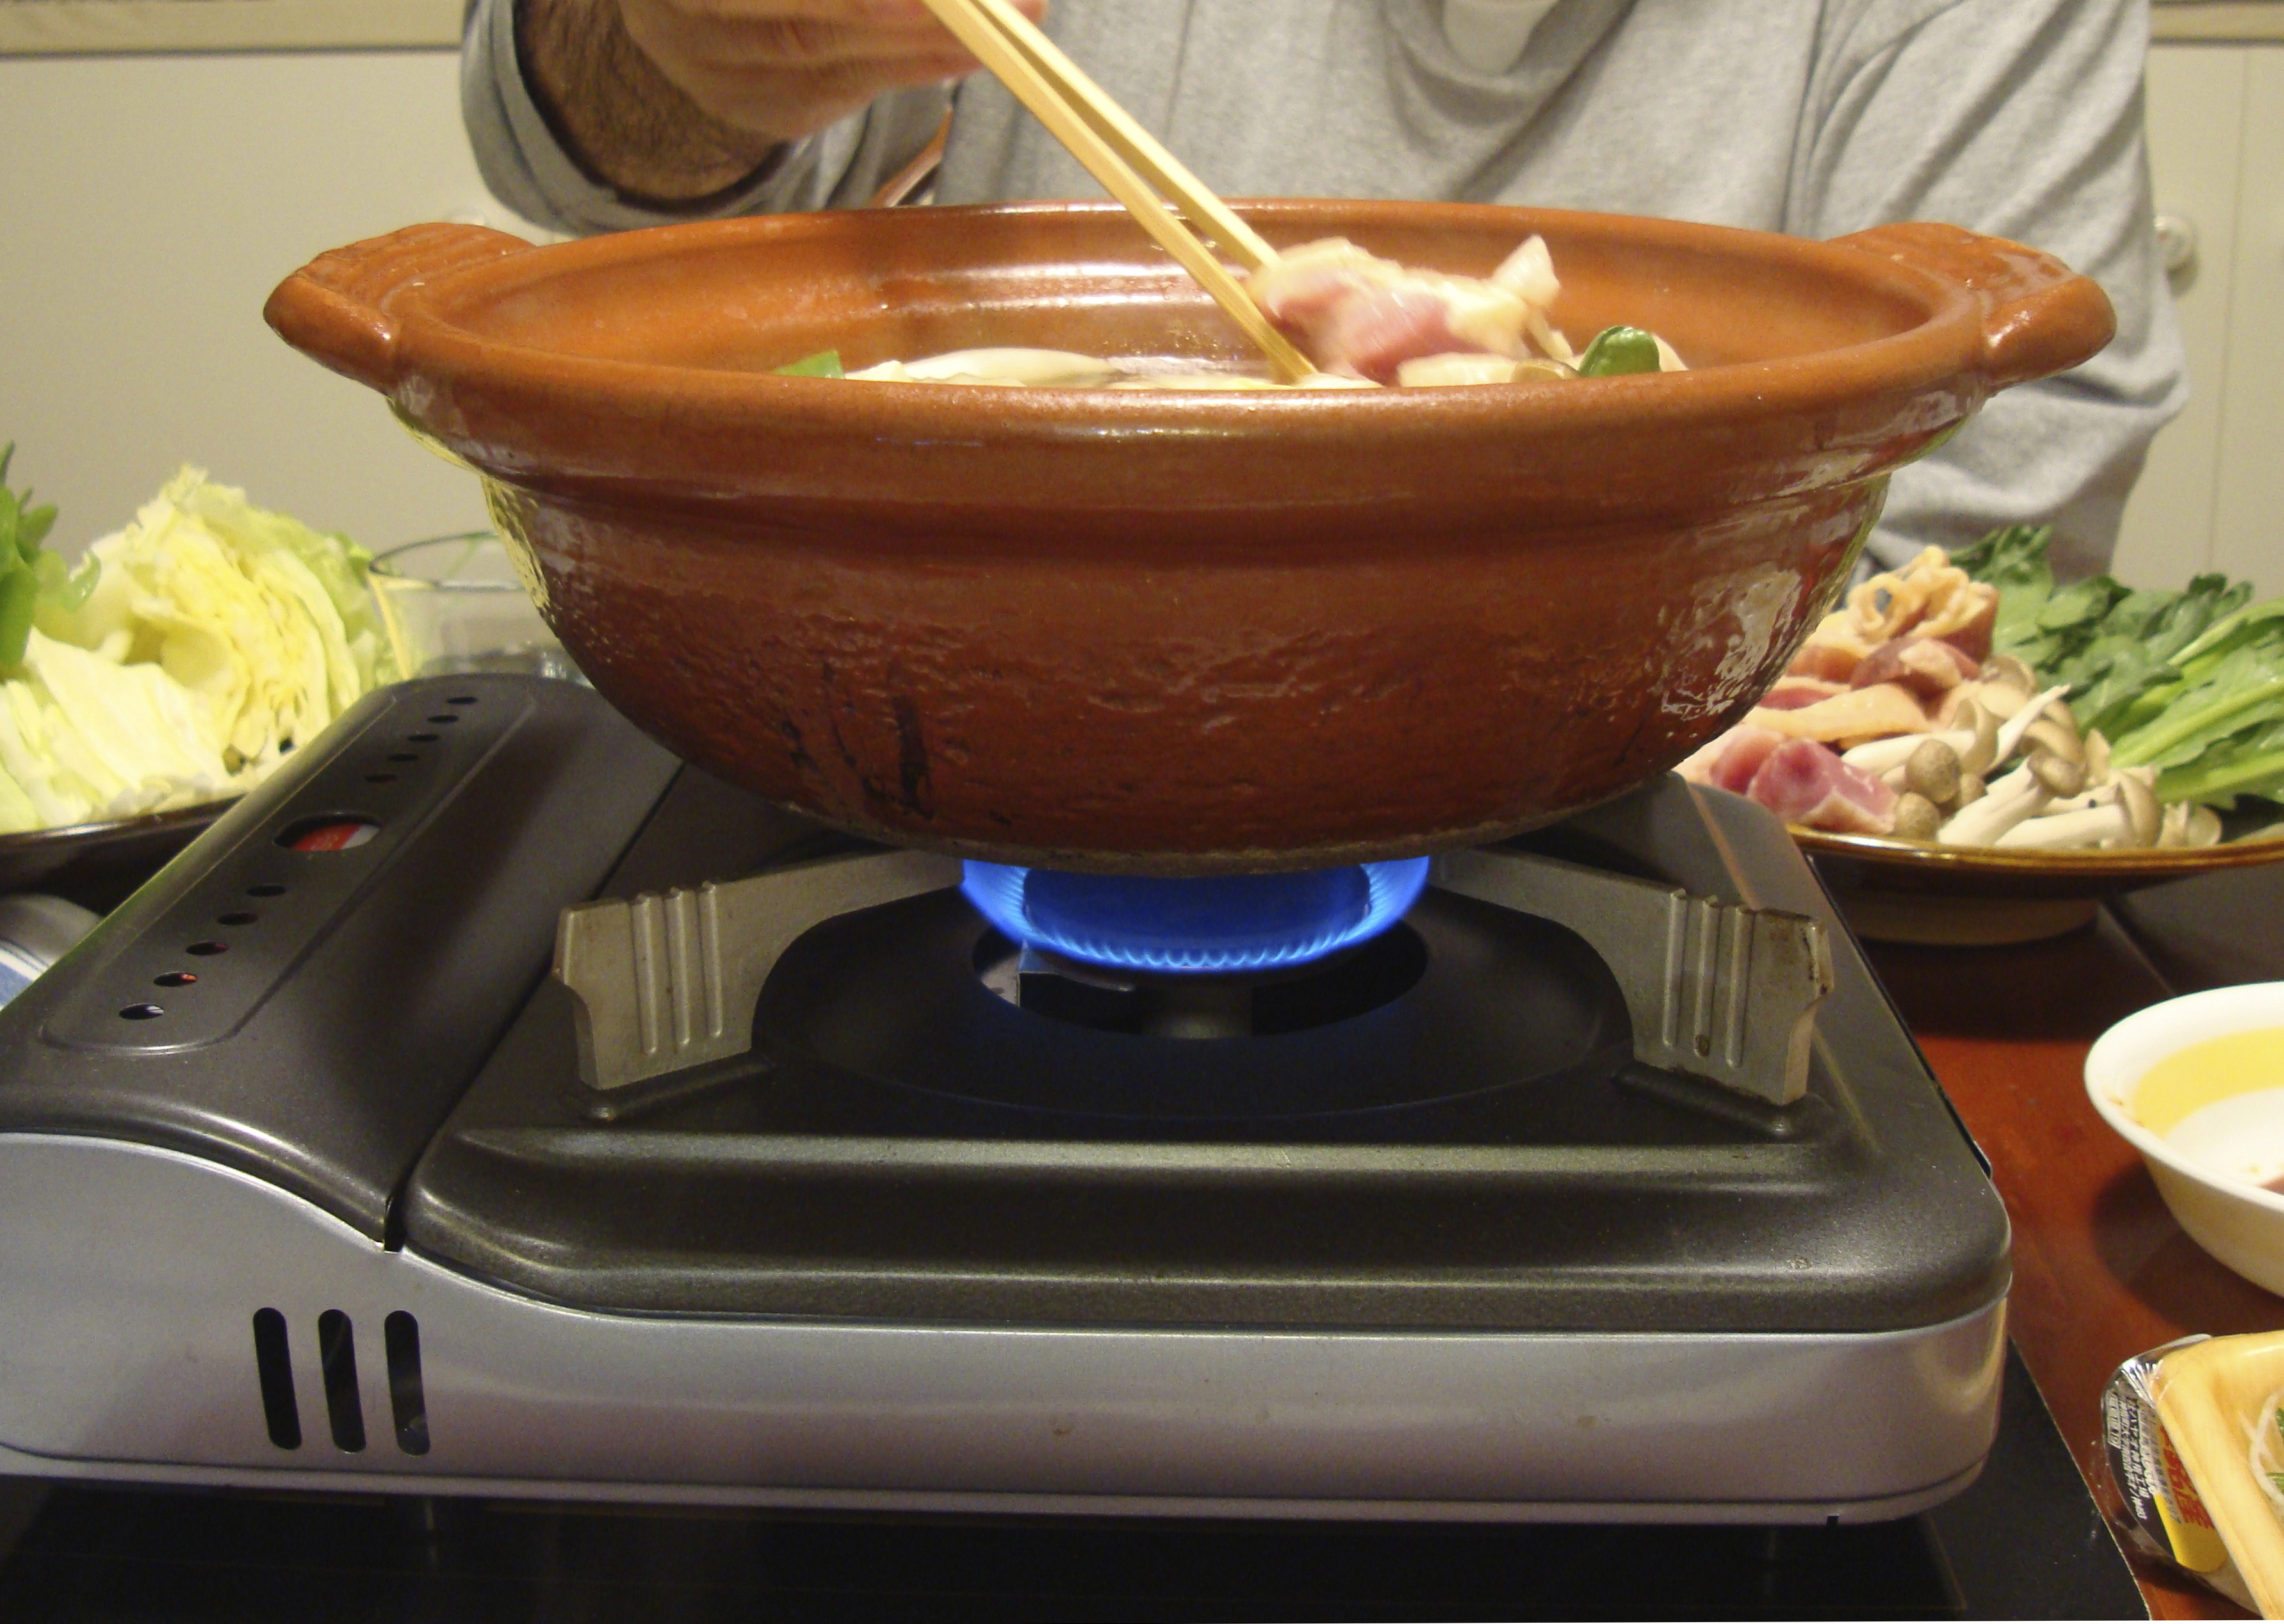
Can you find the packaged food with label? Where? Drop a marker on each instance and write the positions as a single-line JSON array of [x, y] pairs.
[[2193, 1433]]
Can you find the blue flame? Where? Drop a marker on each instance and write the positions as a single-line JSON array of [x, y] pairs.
[[1216, 925]]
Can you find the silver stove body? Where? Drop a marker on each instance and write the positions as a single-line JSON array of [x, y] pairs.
[[127, 1273]]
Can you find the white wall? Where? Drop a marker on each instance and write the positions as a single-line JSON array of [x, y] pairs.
[[148, 206], [2212, 496]]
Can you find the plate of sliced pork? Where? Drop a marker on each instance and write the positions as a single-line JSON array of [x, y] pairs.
[[1952, 789]]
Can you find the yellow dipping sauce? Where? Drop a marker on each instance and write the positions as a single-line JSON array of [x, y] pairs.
[[2205, 1074]]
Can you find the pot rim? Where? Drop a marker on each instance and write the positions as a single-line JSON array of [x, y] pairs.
[[400, 314], [1944, 345]]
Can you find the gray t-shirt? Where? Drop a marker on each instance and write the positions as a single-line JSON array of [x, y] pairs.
[[2020, 118]]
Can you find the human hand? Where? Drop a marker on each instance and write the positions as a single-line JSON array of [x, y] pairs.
[[780, 69]]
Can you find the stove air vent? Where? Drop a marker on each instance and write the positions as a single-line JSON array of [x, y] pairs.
[[281, 1411], [337, 1359], [273, 1366], [408, 1405]]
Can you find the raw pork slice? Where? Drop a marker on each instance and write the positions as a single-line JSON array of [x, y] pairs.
[[1830, 662], [1730, 761], [1803, 783], [1929, 666], [1359, 316], [1799, 692]]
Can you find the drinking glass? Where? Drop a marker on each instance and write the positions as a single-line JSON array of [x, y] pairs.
[[455, 604]]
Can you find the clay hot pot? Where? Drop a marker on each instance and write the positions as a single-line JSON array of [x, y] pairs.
[[1183, 632]]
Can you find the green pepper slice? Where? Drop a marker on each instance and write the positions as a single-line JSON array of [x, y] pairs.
[[1617, 351], [824, 363]]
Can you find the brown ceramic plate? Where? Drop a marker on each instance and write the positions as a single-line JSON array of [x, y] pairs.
[[1912, 891], [97, 865]]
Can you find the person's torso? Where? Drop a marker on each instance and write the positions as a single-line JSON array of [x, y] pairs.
[[1691, 109]]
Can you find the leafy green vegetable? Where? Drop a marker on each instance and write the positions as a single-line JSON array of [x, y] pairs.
[[2108, 676], [2216, 731], [26, 568], [2129, 652], [181, 662], [61, 588], [293, 565], [824, 363], [2014, 561], [2253, 626], [2252, 623], [33, 525], [2191, 683], [265, 620], [1617, 351], [2010, 558], [2068, 620], [2247, 763], [2242, 687]]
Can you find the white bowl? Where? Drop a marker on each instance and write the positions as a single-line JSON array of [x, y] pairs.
[[2231, 1216]]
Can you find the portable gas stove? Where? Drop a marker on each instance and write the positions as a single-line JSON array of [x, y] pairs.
[[1604, 1183]]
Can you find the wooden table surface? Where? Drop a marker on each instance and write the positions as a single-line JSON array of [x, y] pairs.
[[2101, 1271]]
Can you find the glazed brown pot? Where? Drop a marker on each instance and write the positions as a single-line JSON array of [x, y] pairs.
[[1184, 632]]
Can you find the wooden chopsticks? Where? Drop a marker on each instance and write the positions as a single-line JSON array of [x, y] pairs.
[[1121, 154]]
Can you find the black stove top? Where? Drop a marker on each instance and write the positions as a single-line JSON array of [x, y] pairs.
[[1474, 1146]]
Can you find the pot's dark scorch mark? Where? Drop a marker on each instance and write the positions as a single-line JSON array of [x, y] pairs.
[[803, 762], [912, 759]]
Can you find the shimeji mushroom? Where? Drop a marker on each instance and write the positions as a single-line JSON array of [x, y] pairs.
[[2187, 824], [2017, 796], [1917, 818], [2126, 818], [2057, 737], [2006, 686], [2011, 733], [1933, 773], [2143, 816], [1973, 737], [2061, 775], [1981, 753]]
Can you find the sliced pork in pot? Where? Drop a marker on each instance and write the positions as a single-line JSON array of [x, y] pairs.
[[1363, 317]]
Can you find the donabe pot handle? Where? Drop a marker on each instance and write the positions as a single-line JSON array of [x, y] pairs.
[[2039, 316], [336, 308]]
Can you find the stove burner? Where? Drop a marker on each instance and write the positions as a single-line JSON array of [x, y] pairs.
[[1219, 925], [1249, 1004]]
